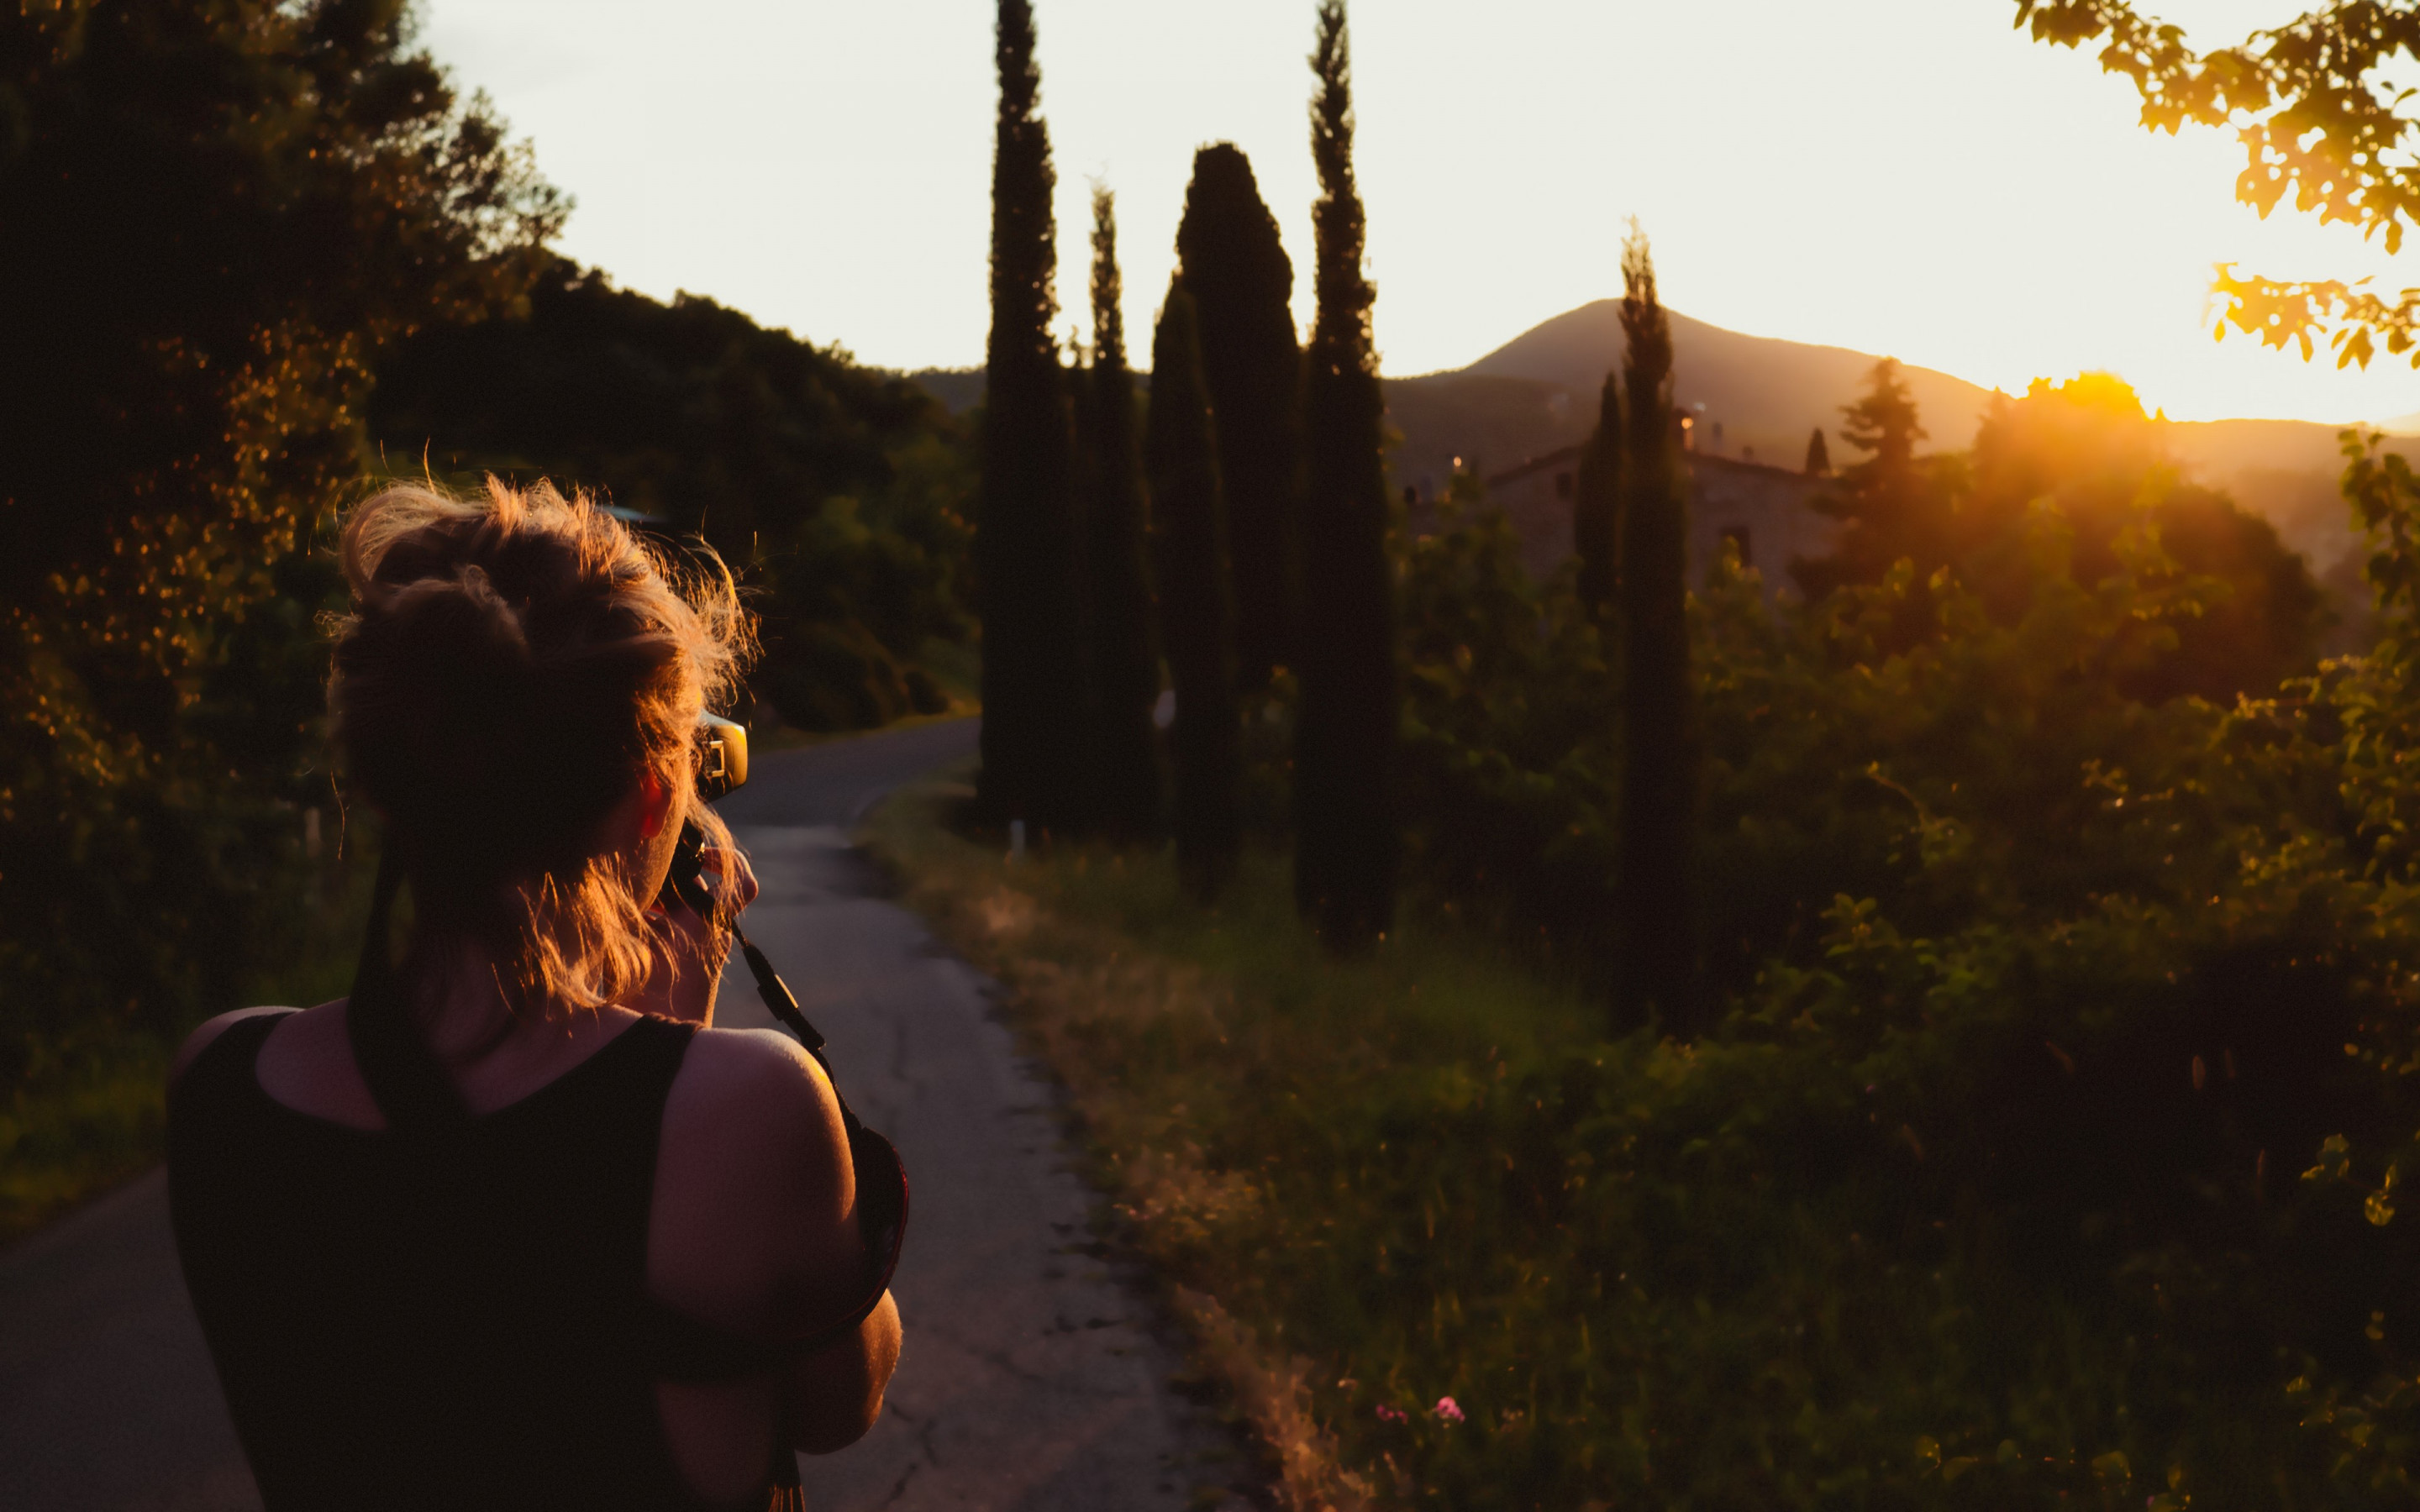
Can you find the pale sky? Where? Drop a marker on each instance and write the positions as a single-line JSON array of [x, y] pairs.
[[1903, 176]]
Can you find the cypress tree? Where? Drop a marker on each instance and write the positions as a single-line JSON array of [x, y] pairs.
[[1035, 725], [1242, 285], [1346, 845], [1197, 607], [1656, 885], [1596, 504], [1819, 456], [1125, 654]]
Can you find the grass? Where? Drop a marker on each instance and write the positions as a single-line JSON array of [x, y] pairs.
[[94, 1116], [1231, 1078], [1444, 1244]]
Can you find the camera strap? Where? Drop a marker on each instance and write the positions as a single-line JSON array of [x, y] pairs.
[[881, 1177], [403, 1074]]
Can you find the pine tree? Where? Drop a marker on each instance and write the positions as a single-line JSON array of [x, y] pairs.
[[1819, 456], [1125, 652], [1596, 504], [1035, 722], [1197, 608], [1242, 283], [1889, 506], [1346, 844], [1656, 885]]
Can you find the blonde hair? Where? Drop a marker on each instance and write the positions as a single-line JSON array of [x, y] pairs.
[[511, 667]]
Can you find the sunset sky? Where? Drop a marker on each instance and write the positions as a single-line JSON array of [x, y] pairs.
[[1904, 176]]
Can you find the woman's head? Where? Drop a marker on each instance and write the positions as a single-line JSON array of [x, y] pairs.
[[517, 669]]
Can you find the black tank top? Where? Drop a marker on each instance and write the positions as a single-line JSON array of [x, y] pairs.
[[452, 1320]]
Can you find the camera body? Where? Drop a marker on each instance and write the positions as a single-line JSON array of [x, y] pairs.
[[722, 756]]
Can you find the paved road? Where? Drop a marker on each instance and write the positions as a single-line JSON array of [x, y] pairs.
[[1031, 1378]]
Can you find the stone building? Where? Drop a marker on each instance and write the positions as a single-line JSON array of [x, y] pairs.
[[1763, 508]]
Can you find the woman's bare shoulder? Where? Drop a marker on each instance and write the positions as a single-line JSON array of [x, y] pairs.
[[749, 1084], [754, 1197], [210, 1029]]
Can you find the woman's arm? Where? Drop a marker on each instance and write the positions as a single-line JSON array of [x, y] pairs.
[[755, 1228], [836, 1393]]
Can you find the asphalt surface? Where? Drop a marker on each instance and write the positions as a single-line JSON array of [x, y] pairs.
[[1033, 1375]]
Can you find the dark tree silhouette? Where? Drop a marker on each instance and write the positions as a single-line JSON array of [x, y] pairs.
[[1888, 505], [1346, 848], [210, 217], [1035, 753], [1596, 504], [1197, 608], [1242, 286], [1657, 882], [1819, 456], [1125, 653]]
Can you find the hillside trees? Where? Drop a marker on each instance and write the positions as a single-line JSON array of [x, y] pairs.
[[1035, 676], [1346, 845], [1242, 285], [1197, 599], [840, 494], [1657, 867], [1819, 456], [1596, 504], [1126, 647], [210, 221]]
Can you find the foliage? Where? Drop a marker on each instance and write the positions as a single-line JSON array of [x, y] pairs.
[[1242, 282], [1125, 644], [211, 220], [2246, 611], [1656, 917], [1819, 456], [1346, 846], [2051, 1145], [2316, 118], [1510, 761], [1196, 598], [1035, 674], [839, 494]]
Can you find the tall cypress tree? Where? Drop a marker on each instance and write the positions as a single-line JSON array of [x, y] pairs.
[[1197, 610], [1819, 456], [1034, 684], [1125, 652], [1346, 845], [1656, 887], [1242, 285], [1596, 504]]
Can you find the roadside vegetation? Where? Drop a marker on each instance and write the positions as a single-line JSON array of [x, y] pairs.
[[271, 253]]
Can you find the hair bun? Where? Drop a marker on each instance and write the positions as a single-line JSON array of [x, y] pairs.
[[512, 665]]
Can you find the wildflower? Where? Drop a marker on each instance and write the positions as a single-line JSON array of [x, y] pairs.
[[1390, 1414], [1448, 1409]]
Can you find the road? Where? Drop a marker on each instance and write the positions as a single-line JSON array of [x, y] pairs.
[[1034, 1377]]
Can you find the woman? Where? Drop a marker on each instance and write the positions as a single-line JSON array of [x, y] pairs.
[[511, 1226]]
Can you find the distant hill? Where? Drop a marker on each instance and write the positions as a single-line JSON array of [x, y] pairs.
[[1765, 394], [1762, 397], [959, 389]]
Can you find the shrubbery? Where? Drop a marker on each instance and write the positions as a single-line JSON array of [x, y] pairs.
[[2051, 1139]]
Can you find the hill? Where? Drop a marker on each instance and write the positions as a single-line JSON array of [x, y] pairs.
[[1758, 397]]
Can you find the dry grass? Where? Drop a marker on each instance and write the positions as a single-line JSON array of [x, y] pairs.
[[1173, 1029]]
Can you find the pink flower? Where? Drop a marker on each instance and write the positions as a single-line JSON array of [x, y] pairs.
[[1390, 1414], [1449, 1410]]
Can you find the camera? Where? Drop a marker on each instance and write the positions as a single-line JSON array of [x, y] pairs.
[[722, 756]]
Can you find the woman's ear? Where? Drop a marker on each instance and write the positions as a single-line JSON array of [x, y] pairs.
[[654, 803]]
